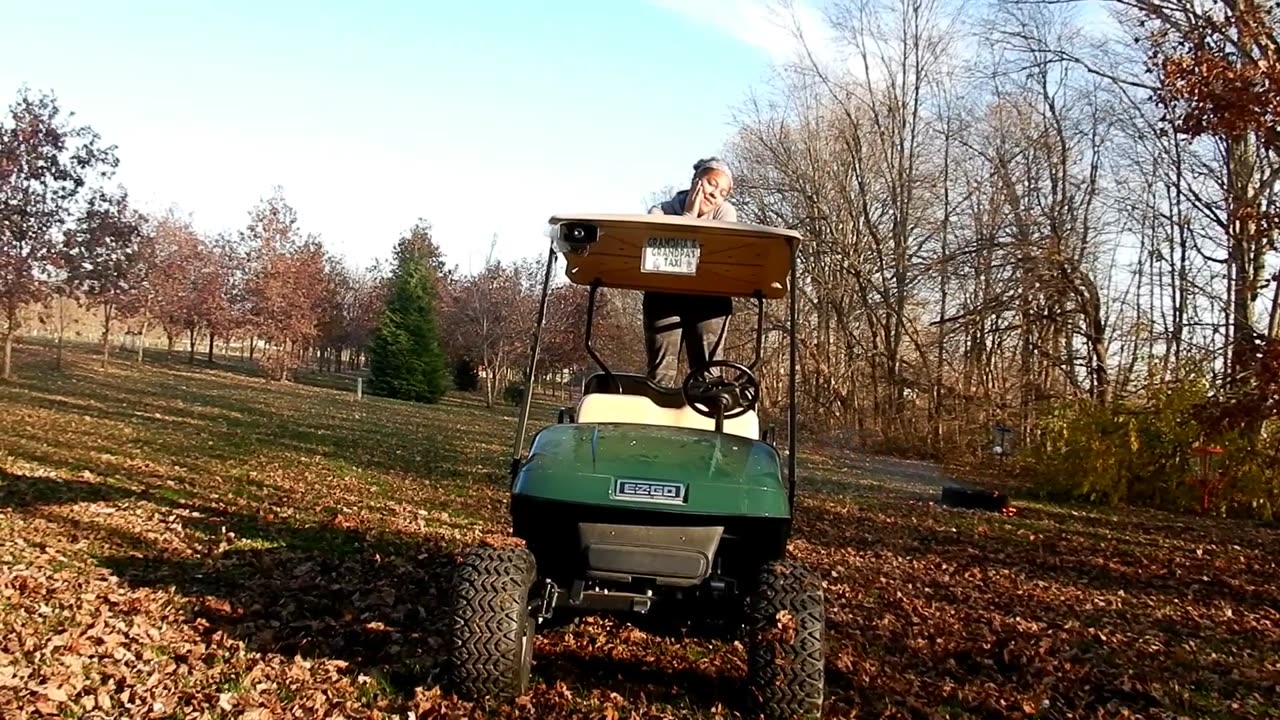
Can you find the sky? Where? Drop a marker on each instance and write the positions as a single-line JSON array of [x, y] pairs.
[[480, 117]]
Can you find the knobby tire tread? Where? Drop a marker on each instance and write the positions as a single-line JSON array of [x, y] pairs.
[[785, 665], [490, 609]]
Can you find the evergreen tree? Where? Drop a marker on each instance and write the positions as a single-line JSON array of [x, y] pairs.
[[406, 361], [466, 376]]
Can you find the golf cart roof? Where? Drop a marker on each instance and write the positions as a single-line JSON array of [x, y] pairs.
[[675, 253]]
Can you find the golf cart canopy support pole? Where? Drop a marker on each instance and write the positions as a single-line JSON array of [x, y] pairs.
[[759, 330], [533, 363], [591, 321], [791, 389]]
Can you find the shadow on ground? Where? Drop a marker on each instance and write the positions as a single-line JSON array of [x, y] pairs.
[[324, 592], [687, 685], [18, 491], [315, 591]]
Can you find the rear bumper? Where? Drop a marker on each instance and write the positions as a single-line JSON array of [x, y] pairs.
[[679, 556], [577, 540]]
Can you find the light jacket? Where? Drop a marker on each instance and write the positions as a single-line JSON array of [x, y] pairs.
[[675, 206]]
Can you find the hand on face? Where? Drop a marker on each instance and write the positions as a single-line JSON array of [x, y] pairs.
[[707, 194], [693, 201]]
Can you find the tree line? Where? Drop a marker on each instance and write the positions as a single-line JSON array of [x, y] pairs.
[[1017, 217], [68, 232], [1011, 218]]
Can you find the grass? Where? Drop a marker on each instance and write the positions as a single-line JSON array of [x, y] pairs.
[[187, 541]]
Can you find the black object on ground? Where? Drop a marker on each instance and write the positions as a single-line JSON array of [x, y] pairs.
[[974, 498]]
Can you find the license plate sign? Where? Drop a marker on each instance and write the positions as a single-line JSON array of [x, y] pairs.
[[648, 491], [670, 255]]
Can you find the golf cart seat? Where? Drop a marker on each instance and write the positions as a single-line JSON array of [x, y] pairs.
[[633, 384], [633, 399]]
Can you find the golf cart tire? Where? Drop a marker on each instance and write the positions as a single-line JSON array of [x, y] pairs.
[[785, 642], [491, 629]]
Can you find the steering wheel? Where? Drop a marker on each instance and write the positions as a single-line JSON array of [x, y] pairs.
[[707, 393]]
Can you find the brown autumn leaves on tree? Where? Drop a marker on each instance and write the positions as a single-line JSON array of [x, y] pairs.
[[102, 258], [179, 285], [46, 164], [1218, 67], [488, 317], [285, 284], [1211, 73], [62, 233]]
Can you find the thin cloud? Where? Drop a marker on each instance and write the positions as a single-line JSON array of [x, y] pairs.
[[767, 25]]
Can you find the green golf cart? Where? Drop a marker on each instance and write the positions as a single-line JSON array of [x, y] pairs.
[[644, 498]]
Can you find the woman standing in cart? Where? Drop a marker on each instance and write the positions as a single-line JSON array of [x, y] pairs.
[[700, 321]]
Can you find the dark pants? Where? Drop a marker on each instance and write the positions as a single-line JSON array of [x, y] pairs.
[[699, 321]]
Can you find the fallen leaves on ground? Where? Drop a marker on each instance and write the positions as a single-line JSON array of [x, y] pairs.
[[176, 542]]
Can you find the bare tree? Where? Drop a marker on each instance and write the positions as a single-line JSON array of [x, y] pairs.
[[486, 318]]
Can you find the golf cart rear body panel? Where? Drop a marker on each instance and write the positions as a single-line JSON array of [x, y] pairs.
[[626, 544], [654, 468], [639, 502], [673, 253]]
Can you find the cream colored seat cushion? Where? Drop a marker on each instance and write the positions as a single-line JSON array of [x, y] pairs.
[[637, 409]]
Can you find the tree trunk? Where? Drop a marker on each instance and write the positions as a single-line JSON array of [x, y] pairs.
[[1273, 324], [11, 325], [1096, 335], [211, 347], [106, 334], [62, 329], [142, 339], [8, 355], [191, 346], [936, 425], [488, 382], [1242, 238]]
